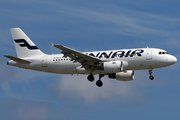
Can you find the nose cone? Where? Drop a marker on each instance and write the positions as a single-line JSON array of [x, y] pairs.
[[173, 59]]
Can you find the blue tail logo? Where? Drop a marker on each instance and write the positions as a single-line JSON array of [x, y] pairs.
[[25, 44]]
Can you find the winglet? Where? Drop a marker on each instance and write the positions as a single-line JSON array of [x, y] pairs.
[[52, 44]]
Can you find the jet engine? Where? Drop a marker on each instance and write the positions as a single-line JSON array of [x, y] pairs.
[[115, 66], [123, 76]]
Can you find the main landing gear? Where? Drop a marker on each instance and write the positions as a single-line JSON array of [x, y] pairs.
[[90, 78], [151, 77], [99, 83]]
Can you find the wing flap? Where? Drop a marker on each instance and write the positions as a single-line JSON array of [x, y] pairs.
[[19, 60]]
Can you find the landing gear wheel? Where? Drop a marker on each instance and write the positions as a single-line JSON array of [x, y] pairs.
[[151, 77], [90, 78], [99, 83]]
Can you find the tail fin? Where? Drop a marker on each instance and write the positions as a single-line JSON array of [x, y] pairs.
[[24, 46]]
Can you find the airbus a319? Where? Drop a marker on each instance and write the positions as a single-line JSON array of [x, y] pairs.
[[117, 64]]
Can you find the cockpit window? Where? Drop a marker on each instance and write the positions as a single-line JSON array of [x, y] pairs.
[[160, 53]]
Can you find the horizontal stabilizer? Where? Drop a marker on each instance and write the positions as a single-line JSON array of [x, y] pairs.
[[19, 60]]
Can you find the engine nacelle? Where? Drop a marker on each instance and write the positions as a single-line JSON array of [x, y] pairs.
[[123, 76], [115, 66], [112, 66]]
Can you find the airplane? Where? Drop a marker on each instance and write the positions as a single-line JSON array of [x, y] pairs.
[[117, 64]]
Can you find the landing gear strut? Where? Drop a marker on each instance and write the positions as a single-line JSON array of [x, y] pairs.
[[151, 77], [99, 83]]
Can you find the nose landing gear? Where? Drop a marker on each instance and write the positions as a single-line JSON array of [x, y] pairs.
[[151, 77], [150, 72]]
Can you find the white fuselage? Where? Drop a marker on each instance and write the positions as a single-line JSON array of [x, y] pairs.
[[133, 59], [117, 64]]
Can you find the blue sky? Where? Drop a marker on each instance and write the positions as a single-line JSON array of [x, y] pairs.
[[88, 26]]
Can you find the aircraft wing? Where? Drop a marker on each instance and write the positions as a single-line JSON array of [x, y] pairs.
[[80, 57]]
